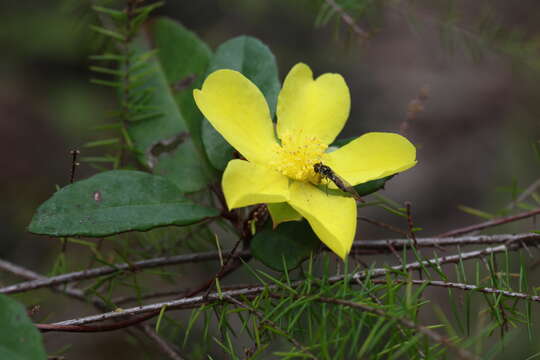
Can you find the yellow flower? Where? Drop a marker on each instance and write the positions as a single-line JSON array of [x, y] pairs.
[[280, 173]]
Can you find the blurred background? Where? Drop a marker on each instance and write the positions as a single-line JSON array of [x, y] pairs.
[[475, 137]]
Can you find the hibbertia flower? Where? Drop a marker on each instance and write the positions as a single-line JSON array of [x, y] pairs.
[[279, 165]]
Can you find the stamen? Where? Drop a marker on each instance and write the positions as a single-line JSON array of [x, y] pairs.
[[297, 155]]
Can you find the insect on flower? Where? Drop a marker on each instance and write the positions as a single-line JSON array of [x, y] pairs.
[[327, 173], [284, 163]]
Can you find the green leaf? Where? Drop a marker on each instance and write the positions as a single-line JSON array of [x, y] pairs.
[[287, 245], [363, 189], [218, 150], [184, 59], [282, 212], [180, 52], [255, 61], [372, 186], [178, 167], [342, 142], [113, 202], [19, 338]]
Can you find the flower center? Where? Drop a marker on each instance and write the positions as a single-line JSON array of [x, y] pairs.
[[297, 155]]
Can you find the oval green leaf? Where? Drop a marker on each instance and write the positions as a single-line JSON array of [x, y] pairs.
[[184, 58], [256, 62], [285, 247], [161, 110], [19, 338], [113, 202]]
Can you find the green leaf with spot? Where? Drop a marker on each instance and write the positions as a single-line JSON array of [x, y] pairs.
[[19, 338], [114, 202], [286, 246], [256, 62]]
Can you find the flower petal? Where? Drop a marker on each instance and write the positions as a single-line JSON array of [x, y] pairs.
[[282, 212], [238, 110], [316, 107], [332, 218], [246, 183], [372, 156]]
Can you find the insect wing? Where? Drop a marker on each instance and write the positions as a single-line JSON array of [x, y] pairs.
[[344, 186]]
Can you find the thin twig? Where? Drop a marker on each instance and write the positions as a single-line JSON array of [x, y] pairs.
[[349, 20], [379, 245], [105, 270], [129, 298], [224, 270], [411, 235], [190, 302], [395, 253], [490, 223], [165, 347], [98, 328], [100, 305], [383, 225], [228, 267], [465, 287], [74, 153], [33, 276], [525, 194], [410, 224]]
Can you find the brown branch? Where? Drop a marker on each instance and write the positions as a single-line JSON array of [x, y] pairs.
[[100, 305], [190, 302], [512, 243], [410, 224], [33, 276], [465, 287], [165, 347], [381, 246], [224, 270], [490, 223], [129, 298], [394, 252], [96, 328], [383, 225], [525, 194], [105, 270], [233, 261], [74, 164], [348, 20]]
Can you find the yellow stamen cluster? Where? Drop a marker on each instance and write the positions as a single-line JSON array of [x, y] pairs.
[[297, 155]]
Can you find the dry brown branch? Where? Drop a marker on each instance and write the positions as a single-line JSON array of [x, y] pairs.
[[100, 305], [381, 246], [490, 223], [190, 302]]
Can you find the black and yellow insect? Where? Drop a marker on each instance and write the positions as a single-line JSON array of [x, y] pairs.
[[327, 173]]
